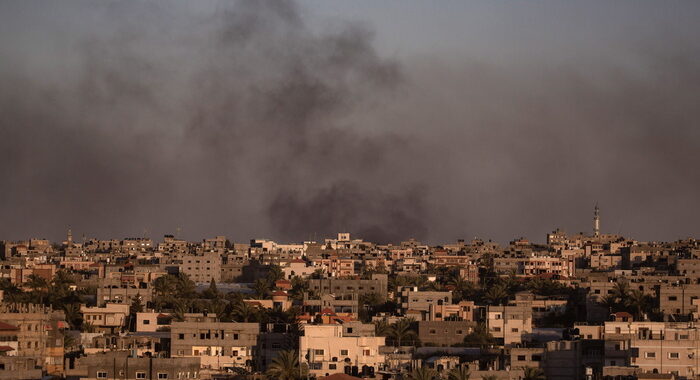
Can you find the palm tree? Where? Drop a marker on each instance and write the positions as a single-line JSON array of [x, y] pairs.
[[532, 373], [275, 273], [217, 307], [609, 302], [299, 287], [38, 285], [423, 373], [496, 295], [73, 315], [637, 302], [244, 312], [459, 373], [382, 328], [402, 330], [286, 367], [261, 289], [621, 290]]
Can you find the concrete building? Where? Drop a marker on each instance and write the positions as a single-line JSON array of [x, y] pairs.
[[420, 301], [443, 333], [39, 335], [110, 318], [122, 366], [508, 323], [340, 287], [217, 344], [200, 268], [351, 349]]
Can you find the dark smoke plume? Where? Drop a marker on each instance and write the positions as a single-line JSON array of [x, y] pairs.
[[122, 118]]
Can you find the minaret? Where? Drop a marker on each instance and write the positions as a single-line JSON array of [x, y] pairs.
[[69, 239], [596, 221]]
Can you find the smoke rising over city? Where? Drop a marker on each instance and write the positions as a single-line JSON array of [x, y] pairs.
[[251, 119]]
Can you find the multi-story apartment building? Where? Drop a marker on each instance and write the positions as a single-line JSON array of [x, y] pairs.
[[109, 318], [39, 333], [123, 366], [443, 333], [351, 348], [508, 323], [462, 311], [675, 300], [419, 301], [200, 268], [654, 347], [217, 344], [340, 287]]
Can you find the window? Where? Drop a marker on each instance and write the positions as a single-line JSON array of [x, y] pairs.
[[536, 358], [235, 336], [521, 357], [331, 366], [673, 355], [672, 298], [162, 375], [650, 355], [366, 352], [181, 336], [318, 352], [146, 322], [344, 352], [459, 332], [101, 374], [496, 329], [432, 332], [140, 375], [349, 330], [514, 329]]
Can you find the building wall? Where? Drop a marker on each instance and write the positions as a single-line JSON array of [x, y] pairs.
[[443, 333], [218, 344], [328, 350]]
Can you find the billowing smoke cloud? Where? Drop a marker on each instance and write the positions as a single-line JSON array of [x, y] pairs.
[[119, 118], [211, 122]]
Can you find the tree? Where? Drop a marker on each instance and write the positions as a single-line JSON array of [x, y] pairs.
[[73, 315], [299, 287], [382, 328], [496, 295], [243, 312], [38, 286], [261, 289], [286, 367], [211, 292], [423, 373], [274, 273], [638, 303], [461, 288], [459, 373], [402, 330], [621, 290], [479, 337], [533, 374]]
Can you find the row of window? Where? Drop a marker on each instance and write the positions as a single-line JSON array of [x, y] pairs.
[[161, 375], [208, 335]]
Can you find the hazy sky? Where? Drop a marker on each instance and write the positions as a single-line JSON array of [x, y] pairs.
[[388, 119]]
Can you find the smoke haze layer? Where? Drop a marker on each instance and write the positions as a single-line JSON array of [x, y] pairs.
[[249, 119]]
